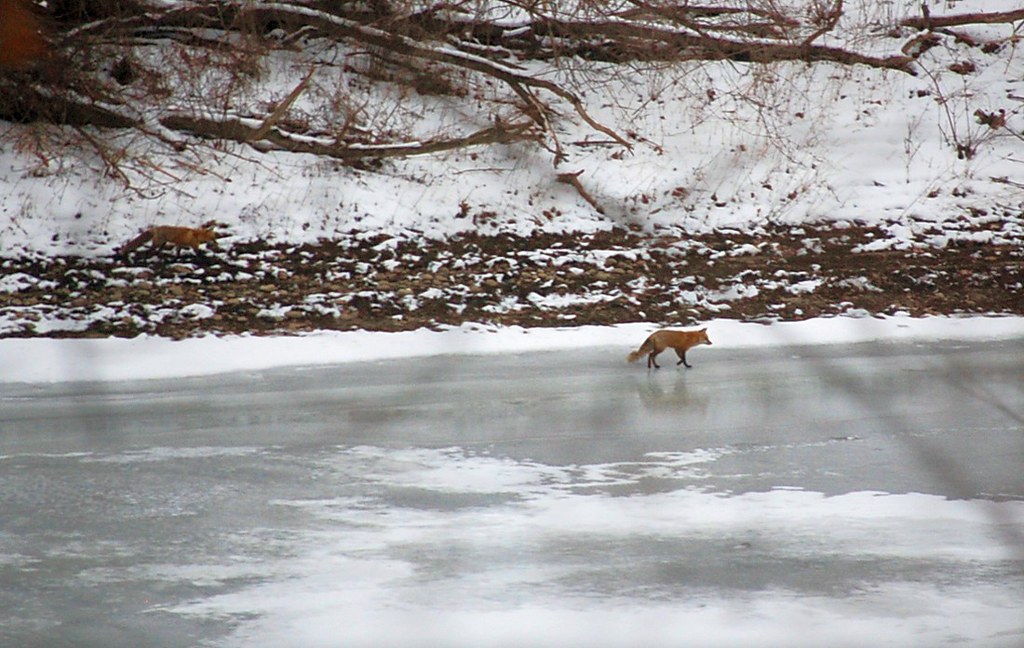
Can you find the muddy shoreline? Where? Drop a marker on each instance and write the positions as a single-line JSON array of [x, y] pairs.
[[382, 283]]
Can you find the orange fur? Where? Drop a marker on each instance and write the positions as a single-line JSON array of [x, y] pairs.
[[177, 237], [660, 340]]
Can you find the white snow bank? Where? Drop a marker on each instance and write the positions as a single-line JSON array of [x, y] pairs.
[[148, 357]]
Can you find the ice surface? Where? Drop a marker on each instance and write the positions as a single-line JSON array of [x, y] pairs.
[[515, 574]]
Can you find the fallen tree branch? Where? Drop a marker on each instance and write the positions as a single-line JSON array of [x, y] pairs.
[[209, 15], [27, 100], [244, 130], [283, 107], [573, 180], [609, 39], [928, 21], [754, 21]]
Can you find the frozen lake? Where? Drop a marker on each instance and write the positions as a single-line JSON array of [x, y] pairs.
[[850, 495]]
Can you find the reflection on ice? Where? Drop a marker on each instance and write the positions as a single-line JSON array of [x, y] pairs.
[[168, 454], [557, 555]]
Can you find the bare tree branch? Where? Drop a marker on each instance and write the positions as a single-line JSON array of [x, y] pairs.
[[400, 44], [511, 64], [937, 22], [573, 180]]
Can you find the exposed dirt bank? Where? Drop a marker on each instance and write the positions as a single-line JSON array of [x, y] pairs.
[[380, 283]]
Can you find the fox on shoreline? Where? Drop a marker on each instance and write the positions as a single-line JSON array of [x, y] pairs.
[[178, 237], [660, 340]]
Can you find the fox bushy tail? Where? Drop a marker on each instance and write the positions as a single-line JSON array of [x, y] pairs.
[[645, 348], [136, 242]]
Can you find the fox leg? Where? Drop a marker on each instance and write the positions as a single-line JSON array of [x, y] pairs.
[[682, 358], [203, 257], [651, 359]]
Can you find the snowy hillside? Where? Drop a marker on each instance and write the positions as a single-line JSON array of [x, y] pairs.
[[753, 191], [714, 145]]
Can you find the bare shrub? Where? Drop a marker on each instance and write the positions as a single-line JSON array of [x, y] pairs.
[[496, 73]]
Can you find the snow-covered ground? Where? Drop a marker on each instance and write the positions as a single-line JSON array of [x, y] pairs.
[[718, 145], [147, 357], [786, 143]]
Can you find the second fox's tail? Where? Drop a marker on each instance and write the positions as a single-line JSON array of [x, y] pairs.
[[135, 242]]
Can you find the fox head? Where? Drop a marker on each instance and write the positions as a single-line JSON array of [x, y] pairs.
[[703, 337], [207, 235]]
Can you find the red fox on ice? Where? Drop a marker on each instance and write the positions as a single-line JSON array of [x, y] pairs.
[[179, 237], [660, 340]]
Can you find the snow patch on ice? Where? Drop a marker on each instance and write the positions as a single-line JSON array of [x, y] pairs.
[[369, 575]]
